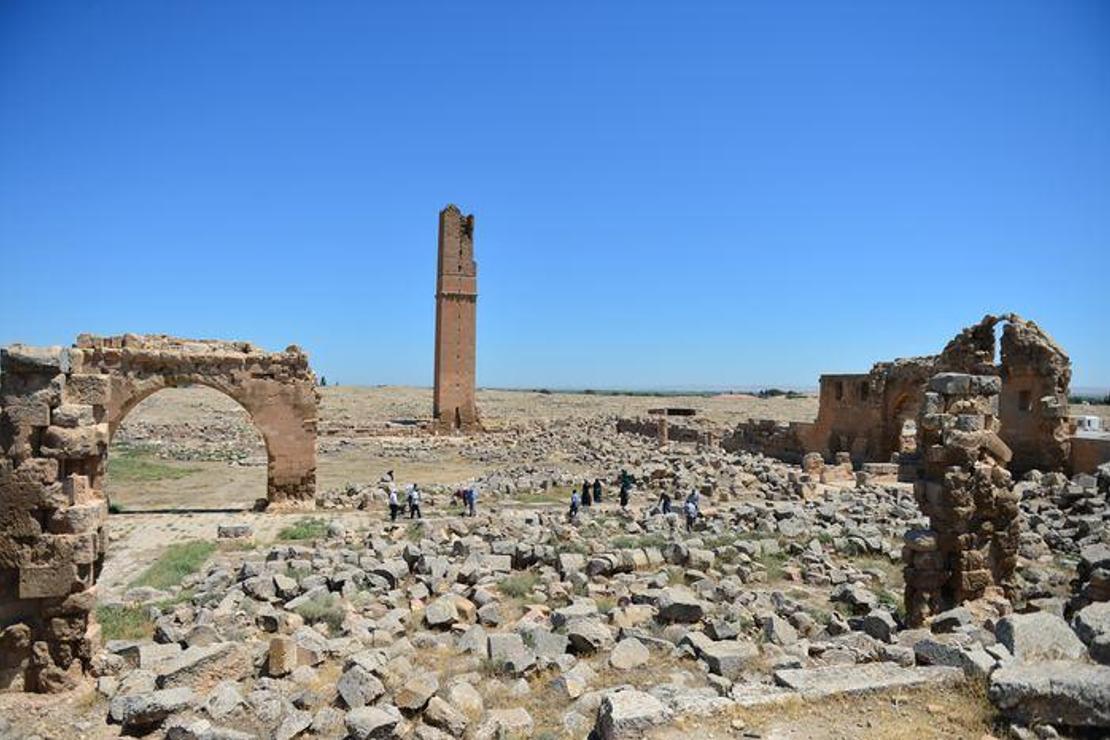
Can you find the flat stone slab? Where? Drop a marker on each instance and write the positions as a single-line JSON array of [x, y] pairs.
[[818, 683], [749, 695]]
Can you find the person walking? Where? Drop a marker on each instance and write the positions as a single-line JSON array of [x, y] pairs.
[[597, 490], [414, 503], [574, 501], [586, 493], [394, 504], [665, 502], [626, 487], [691, 508], [472, 501]]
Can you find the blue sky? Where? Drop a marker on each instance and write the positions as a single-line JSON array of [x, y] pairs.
[[666, 194]]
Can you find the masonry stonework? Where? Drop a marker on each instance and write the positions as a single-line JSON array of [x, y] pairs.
[[966, 491], [59, 408], [454, 406], [872, 416]]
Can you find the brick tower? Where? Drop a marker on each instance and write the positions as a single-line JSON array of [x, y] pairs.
[[456, 301]]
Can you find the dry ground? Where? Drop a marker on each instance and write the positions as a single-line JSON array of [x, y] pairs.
[[207, 419]]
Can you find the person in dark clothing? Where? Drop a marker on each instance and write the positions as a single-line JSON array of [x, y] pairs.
[[665, 502], [625, 481], [597, 490], [586, 493], [414, 503]]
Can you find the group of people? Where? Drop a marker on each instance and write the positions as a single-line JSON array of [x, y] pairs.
[[412, 499], [468, 497], [690, 506], [591, 493]]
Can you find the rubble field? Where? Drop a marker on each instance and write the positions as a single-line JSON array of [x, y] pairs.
[[777, 612]]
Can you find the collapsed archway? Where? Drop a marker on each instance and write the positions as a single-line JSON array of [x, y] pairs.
[[191, 448], [60, 407]]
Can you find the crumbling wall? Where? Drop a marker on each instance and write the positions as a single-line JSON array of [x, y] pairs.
[[661, 429], [786, 441], [868, 415], [967, 493], [58, 410], [1033, 407]]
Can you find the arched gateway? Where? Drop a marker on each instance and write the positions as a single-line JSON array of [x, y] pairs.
[[59, 408]]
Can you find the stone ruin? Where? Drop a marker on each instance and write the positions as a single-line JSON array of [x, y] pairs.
[[872, 416], [967, 493], [659, 427], [59, 408]]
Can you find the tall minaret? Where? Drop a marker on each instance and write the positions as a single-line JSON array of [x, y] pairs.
[[456, 300]]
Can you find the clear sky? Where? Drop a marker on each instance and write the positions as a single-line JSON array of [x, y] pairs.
[[666, 195]]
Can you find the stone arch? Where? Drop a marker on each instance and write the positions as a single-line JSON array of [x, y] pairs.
[[254, 482], [904, 409], [58, 410]]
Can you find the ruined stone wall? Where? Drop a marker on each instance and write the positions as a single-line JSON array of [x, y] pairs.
[[1033, 406], [786, 441], [58, 410], [453, 404], [866, 415], [1088, 452], [967, 493], [661, 429]]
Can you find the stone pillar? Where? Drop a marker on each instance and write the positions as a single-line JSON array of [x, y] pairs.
[[964, 488], [54, 437]]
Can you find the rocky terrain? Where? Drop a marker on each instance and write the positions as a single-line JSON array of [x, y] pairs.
[[778, 613]]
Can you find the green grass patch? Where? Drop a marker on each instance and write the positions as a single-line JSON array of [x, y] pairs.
[[894, 602], [519, 585], [577, 547], [554, 495], [124, 622], [179, 560], [774, 563], [138, 465], [632, 542], [307, 528], [323, 608]]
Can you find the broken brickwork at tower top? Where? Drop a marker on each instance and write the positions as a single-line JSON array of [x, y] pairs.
[[454, 406]]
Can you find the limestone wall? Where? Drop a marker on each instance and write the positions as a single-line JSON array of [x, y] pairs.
[[58, 410], [967, 493]]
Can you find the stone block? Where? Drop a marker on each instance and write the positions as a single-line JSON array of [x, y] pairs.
[[951, 384], [20, 358], [73, 415], [93, 390], [74, 444], [819, 683], [45, 581], [28, 414], [282, 656], [77, 490], [630, 713], [79, 518], [1059, 692]]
